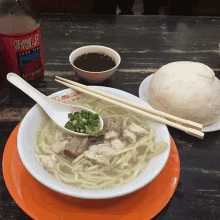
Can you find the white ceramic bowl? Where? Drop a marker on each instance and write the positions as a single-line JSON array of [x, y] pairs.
[[25, 143], [94, 77]]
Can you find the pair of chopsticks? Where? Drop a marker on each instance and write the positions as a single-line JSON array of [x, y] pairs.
[[190, 127]]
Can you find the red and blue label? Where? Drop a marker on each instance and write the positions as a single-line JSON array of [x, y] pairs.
[[23, 54]]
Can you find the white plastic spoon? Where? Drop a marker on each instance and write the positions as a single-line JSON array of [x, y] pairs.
[[57, 111]]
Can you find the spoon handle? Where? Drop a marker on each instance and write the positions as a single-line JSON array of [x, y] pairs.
[[37, 96]]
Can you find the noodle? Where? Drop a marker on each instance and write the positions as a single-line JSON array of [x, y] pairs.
[[85, 173]]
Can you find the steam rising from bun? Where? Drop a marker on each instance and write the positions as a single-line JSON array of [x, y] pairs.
[[188, 90]]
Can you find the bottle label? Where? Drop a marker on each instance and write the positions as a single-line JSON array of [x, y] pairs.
[[23, 53]]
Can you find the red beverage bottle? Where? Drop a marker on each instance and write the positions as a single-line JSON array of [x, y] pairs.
[[20, 41]]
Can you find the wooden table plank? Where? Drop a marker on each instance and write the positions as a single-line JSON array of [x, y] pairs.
[[145, 43]]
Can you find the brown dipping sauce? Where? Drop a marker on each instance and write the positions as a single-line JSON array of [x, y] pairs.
[[94, 62]]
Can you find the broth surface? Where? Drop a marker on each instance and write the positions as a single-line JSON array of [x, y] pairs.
[[109, 161]]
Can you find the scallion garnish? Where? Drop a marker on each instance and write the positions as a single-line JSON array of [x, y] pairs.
[[84, 122]]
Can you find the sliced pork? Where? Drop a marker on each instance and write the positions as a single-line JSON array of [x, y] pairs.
[[111, 135], [76, 146], [113, 124], [101, 153], [137, 129], [59, 147], [46, 160], [130, 136], [117, 144]]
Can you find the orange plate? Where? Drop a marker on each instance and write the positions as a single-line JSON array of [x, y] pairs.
[[42, 203]]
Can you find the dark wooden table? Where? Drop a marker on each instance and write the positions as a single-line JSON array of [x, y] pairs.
[[145, 43]]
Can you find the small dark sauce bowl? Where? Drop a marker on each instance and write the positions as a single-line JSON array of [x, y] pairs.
[[98, 72]]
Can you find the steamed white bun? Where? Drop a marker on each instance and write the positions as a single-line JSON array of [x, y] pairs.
[[188, 90]]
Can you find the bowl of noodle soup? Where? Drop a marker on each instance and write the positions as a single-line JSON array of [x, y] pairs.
[[128, 169]]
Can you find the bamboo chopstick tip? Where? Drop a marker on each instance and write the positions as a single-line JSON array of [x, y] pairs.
[[195, 133]]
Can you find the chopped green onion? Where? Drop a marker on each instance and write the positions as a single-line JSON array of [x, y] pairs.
[[84, 122]]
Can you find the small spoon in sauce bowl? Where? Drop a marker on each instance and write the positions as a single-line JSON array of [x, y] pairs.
[[57, 111]]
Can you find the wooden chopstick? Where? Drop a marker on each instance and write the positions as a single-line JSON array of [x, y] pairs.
[[88, 91], [173, 118]]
